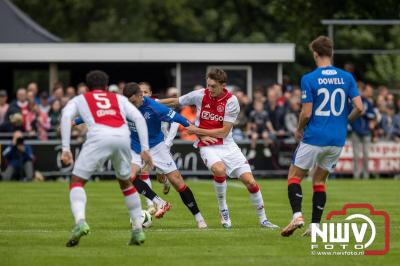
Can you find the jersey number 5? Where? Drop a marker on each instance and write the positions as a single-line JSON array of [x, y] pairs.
[[102, 101], [332, 98]]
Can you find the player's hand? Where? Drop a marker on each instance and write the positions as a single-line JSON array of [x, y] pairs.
[[148, 161], [192, 129], [299, 135], [66, 157], [208, 140]]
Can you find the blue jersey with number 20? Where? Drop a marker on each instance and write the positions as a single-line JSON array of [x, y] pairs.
[[330, 90]]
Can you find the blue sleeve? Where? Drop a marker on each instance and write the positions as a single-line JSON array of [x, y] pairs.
[[306, 91], [167, 114], [353, 90], [78, 120]]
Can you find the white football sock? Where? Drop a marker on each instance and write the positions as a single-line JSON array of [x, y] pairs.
[[132, 202], [198, 217], [258, 203], [77, 197], [220, 190], [297, 215], [158, 201]]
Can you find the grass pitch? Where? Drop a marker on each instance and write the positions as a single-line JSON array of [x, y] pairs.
[[35, 223]]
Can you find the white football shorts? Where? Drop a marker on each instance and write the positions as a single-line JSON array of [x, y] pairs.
[[230, 155], [162, 159], [306, 156], [96, 151]]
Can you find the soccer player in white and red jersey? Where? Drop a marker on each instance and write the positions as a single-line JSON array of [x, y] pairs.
[[106, 115], [217, 109]]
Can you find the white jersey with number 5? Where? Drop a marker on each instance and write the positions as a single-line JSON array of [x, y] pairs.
[[105, 115]]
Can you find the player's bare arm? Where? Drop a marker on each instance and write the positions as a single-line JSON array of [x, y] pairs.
[[305, 115], [215, 133], [171, 102], [358, 109]]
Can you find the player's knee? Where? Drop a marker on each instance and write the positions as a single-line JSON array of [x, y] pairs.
[[218, 169], [124, 184]]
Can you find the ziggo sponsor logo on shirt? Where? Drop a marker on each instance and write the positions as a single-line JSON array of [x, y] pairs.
[[210, 116], [101, 113]]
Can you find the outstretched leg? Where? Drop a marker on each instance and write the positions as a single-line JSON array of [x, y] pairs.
[[187, 197], [256, 199]]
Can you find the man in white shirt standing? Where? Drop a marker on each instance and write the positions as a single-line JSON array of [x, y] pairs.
[[217, 110]]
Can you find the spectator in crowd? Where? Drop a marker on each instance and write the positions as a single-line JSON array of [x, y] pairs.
[[55, 114], [82, 88], [197, 87], [361, 134], [44, 104], [30, 95], [57, 93], [20, 105], [276, 113], [240, 125], [396, 124], [286, 84], [387, 125], [292, 116], [113, 88], [258, 128], [3, 105], [33, 90], [121, 86], [37, 123], [70, 93], [12, 124], [19, 160]]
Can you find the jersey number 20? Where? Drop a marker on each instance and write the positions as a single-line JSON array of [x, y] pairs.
[[332, 98]]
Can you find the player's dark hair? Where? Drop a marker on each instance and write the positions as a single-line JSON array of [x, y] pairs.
[[217, 74], [130, 89], [322, 45], [146, 84], [97, 80]]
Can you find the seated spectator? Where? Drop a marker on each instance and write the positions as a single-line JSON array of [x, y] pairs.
[[44, 104], [258, 128], [386, 125], [37, 122], [20, 105], [12, 124], [82, 88], [55, 115], [70, 93], [3, 105], [19, 160], [276, 113], [57, 93], [292, 116], [396, 124], [33, 90], [239, 126]]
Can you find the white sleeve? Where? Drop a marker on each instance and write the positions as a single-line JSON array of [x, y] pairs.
[[232, 110], [190, 98], [173, 130], [133, 114], [69, 112]]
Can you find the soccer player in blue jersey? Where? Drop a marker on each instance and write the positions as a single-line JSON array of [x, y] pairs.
[[154, 113], [322, 129]]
